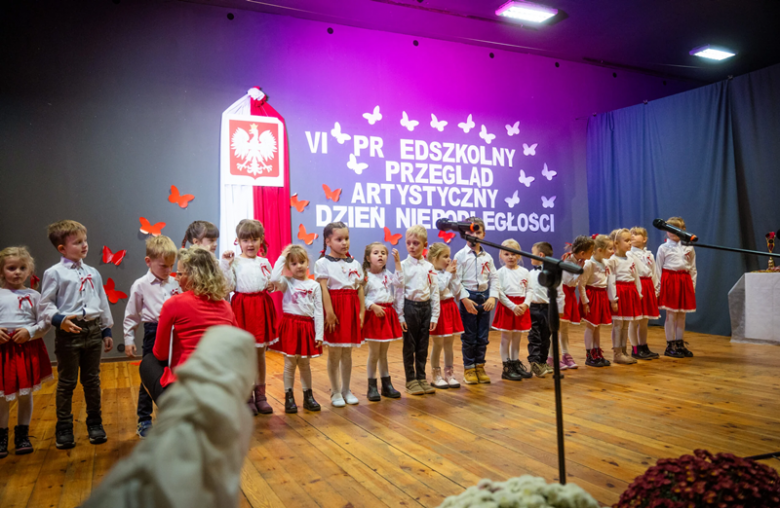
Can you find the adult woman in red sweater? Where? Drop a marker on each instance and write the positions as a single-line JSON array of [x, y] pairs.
[[186, 317]]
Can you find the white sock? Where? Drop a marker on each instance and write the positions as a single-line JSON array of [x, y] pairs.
[[290, 364], [633, 333], [624, 335], [373, 358], [438, 343], [514, 348], [669, 326], [449, 357], [563, 337], [679, 325], [589, 333], [334, 362], [384, 367], [506, 342], [304, 367], [617, 330], [346, 369]]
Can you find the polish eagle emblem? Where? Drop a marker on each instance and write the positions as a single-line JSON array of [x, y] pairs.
[[254, 148]]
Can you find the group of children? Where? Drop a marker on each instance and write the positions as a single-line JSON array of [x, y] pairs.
[[428, 295]]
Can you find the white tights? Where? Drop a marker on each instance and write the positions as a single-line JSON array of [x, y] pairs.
[[339, 359], [290, 364], [637, 332], [377, 354], [510, 345], [439, 344], [24, 408], [592, 338], [620, 333], [674, 325], [563, 338]]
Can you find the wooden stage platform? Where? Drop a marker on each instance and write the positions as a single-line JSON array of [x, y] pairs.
[[415, 451]]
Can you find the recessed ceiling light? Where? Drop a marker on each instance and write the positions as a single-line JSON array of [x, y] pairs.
[[712, 53], [526, 11]]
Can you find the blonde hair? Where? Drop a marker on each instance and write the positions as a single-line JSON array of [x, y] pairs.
[[601, 242], [203, 274], [296, 253], [512, 244], [367, 255], [638, 230], [60, 231], [418, 231], [161, 247], [676, 222], [16, 252], [199, 230], [250, 229], [437, 250], [615, 232]]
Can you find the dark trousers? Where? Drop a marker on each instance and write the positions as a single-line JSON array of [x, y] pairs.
[[151, 371], [539, 336], [145, 404], [78, 357], [418, 324], [476, 330]]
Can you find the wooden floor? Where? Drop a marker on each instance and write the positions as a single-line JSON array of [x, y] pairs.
[[415, 451]]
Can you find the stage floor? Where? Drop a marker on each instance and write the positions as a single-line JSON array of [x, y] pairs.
[[415, 451]]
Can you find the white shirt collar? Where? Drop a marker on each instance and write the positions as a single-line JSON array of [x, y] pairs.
[[69, 263], [414, 260], [153, 279]]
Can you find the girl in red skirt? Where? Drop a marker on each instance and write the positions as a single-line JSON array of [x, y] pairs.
[[249, 276], [449, 324], [24, 361], [645, 265], [595, 305], [627, 289], [381, 326], [676, 268], [302, 327], [581, 251], [341, 279]]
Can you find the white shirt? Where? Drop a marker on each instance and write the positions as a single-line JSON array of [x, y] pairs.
[[449, 285], [19, 309], [624, 270], [70, 288], [645, 262], [675, 256], [536, 293], [147, 295], [340, 273], [514, 283], [596, 274], [301, 297], [381, 287], [420, 284], [247, 275], [477, 272]]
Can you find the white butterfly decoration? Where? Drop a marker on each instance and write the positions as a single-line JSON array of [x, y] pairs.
[[548, 203], [487, 137], [341, 137], [356, 166], [512, 200], [511, 130], [467, 125], [547, 173], [373, 117], [525, 180], [437, 124], [409, 124], [529, 150]]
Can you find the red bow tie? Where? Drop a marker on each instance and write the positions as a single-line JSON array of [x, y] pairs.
[[23, 298], [84, 280]]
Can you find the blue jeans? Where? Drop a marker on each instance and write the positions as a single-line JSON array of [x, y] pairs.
[[145, 405], [476, 328]]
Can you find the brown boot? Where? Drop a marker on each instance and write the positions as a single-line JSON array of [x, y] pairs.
[[619, 358], [251, 404], [263, 407], [629, 359]]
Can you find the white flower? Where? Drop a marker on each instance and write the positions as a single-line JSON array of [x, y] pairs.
[[521, 492]]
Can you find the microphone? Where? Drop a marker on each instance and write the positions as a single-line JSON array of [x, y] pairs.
[[460, 227], [684, 235]]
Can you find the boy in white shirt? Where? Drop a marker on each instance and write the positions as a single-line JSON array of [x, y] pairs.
[[539, 336]]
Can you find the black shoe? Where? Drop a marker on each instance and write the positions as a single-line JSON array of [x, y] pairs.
[[671, 350], [650, 354], [639, 353], [685, 351], [64, 436], [95, 430], [388, 390], [3, 443], [509, 372], [521, 370], [591, 360], [309, 404], [22, 443], [603, 361], [373, 393], [289, 402]]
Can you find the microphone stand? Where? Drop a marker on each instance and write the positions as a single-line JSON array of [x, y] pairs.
[[549, 278]]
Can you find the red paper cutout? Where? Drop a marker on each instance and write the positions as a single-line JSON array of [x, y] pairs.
[[446, 236], [392, 238], [172, 274], [113, 257], [298, 204], [311, 276], [308, 238], [332, 195], [180, 199], [148, 229], [112, 294]]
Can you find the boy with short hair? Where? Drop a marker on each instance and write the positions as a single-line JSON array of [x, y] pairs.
[[73, 300], [478, 275], [147, 296], [539, 336], [417, 305]]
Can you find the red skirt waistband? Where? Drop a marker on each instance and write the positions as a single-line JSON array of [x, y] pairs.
[[298, 317]]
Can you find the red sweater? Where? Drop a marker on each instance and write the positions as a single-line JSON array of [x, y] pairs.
[[188, 317]]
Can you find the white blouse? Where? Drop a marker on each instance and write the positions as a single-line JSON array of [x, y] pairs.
[[381, 287], [596, 274], [449, 285], [340, 273], [624, 270], [19, 309], [247, 275], [513, 283], [675, 256], [301, 297]]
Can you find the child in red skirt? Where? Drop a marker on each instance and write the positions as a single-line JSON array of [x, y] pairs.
[[249, 277], [341, 279], [645, 266], [676, 267], [381, 326], [449, 324], [24, 361], [627, 289], [581, 251], [302, 327], [595, 303]]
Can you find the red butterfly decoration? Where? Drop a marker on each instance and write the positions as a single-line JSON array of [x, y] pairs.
[[311, 276], [392, 238], [446, 236], [297, 203], [149, 229], [425, 253], [308, 238], [332, 195], [113, 257], [172, 274], [180, 199], [112, 294]]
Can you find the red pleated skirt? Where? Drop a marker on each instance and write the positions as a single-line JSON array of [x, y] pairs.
[[571, 308], [449, 319], [296, 337], [506, 320], [677, 293], [600, 311], [255, 313], [382, 329], [649, 301], [629, 302], [346, 306], [23, 368]]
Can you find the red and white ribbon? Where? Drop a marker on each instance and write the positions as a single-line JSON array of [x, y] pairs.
[[264, 269], [23, 298], [86, 279]]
